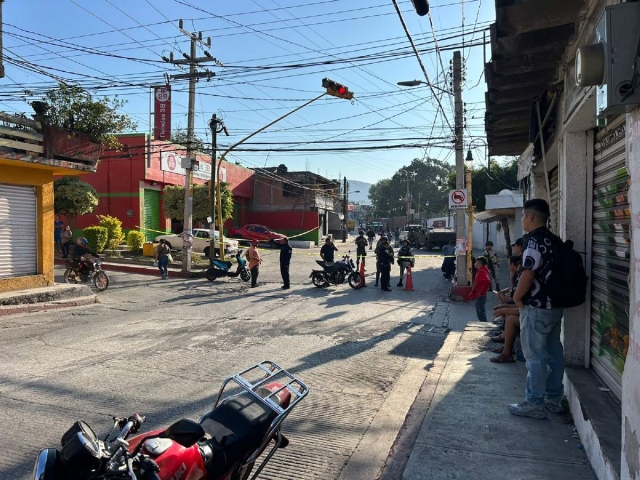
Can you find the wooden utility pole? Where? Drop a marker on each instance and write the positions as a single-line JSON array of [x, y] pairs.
[[345, 210], [189, 163], [1, 47], [459, 147]]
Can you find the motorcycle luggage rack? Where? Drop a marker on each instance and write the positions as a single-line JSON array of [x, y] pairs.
[[272, 372]]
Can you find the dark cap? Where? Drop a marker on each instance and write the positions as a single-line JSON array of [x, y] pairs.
[[518, 243], [489, 244]]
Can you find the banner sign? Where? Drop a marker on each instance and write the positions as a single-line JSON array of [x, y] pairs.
[[162, 112], [171, 162]]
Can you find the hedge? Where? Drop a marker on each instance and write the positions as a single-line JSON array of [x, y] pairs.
[[97, 237], [135, 240], [114, 229]]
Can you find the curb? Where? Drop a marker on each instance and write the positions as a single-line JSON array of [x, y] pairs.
[[55, 305]]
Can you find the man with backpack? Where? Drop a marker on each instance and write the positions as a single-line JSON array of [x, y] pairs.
[[545, 271]]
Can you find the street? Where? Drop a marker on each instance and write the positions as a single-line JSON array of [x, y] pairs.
[[162, 349]]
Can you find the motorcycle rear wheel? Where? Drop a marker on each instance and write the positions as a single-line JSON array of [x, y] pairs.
[[319, 281], [70, 276], [212, 274], [356, 280], [245, 276], [101, 281]]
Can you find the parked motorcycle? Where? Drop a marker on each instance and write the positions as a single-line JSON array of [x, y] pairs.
[[337, 273], [220, 269], [223, 445], [75, 274]]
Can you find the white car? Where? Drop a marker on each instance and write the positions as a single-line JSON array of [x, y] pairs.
[[201, 238]]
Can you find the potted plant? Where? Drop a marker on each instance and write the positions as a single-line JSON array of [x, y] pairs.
[[76, 126]]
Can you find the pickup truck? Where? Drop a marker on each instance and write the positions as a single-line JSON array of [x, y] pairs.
[[439, 237]]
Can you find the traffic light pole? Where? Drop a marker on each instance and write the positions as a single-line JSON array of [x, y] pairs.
[[234, 146]]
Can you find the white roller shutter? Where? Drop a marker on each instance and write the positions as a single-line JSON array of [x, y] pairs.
[[18, 231]]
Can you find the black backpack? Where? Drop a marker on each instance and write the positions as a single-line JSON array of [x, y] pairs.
[[567, 285]]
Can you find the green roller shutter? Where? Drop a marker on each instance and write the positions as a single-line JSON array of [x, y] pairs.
[[151, 214]]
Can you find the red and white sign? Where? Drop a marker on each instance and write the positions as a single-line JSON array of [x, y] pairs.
[[458, 199], [172, 162], [162, 112]]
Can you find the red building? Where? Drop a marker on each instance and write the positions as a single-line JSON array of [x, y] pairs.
[[130, 183]]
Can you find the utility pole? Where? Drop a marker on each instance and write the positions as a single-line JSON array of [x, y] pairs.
[[190, 163], [1, 47], [217, 126], [345, 210], [459, 147]]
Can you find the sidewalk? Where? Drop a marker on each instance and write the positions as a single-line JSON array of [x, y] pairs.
[[468, 432], [45, 298]]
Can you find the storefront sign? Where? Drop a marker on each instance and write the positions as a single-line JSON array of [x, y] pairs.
[[162, 112], [170, 162]]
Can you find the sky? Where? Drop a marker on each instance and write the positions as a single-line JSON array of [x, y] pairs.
[[272, 56]]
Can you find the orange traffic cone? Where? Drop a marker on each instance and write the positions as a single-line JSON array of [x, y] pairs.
[[409, 284], [364, 284]]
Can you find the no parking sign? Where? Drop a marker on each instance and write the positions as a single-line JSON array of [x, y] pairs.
[[458, 198]]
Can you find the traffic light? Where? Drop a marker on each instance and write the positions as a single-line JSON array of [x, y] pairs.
[[336, 89], [421, 6]]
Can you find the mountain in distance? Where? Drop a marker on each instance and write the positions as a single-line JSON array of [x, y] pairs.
[[363, 196]]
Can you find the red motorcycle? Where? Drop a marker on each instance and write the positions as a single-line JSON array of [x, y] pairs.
[[223, 445]]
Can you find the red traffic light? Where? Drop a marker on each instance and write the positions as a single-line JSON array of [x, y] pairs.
[[342, 90], [336, 89]]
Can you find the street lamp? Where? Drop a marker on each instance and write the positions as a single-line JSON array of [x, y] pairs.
[[415, 83]]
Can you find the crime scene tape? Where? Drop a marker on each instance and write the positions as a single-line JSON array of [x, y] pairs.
[[229, 238]]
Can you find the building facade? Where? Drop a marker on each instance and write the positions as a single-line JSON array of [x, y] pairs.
[[297, 204], [27, 168], [130, 185], [587, 168]]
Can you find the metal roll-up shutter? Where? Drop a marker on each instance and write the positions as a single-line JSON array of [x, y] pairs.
[[19, 227], [151, 214], [553, 195], [611, 254]]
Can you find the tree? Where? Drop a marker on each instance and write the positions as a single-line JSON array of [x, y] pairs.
[[179, 137], [388, 196], [500, 177], [73, 197], [75, 109], [174, 202]]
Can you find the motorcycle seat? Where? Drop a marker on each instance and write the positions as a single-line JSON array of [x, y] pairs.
[[236, 427], [226, 265]]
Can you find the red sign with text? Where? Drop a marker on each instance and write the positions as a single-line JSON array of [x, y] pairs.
[[162, 112]]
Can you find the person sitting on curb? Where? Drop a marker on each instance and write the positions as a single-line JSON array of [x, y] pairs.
[[405, 258], [505, 296], [481, 286]]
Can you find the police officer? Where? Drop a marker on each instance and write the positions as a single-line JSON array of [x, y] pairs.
[[361, 248], [385, 259], [405, 258], [285, 259]]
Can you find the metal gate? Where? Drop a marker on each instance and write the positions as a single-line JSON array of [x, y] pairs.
[[553, 195], [19, 227], [151, 214], [611, 253]]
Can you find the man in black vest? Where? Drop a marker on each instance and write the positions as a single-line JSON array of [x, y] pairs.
[[285, 259]]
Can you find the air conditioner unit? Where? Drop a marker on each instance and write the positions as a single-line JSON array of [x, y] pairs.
[[611, 63]]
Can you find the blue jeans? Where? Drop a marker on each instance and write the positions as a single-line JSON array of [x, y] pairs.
[[542, 348], [163, 263], [481, 302]]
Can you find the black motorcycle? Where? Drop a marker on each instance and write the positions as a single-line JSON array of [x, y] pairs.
[[337, 273], [78, 272]]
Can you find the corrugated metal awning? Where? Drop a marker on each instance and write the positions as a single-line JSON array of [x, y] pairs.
[[495, 214]]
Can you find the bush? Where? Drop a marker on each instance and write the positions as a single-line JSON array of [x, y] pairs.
[[97, 237], [135, 240], [114, 229]]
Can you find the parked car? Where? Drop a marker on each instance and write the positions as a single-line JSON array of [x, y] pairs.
[[201, 241], [256, 232]]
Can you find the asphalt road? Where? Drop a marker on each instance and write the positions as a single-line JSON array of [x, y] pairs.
[[162, 348]]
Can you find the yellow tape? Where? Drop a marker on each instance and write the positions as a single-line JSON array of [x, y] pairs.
[[246, 240]]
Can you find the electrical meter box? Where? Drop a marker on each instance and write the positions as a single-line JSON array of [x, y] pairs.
[[618, 31]]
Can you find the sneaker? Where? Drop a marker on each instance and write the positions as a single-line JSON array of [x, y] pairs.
[[524, 409], [553, 406], [399, 284], [285, 287]]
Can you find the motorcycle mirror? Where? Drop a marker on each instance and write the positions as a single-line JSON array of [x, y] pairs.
[[185, 432]]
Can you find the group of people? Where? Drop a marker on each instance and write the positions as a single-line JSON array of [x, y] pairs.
[[526, 309], [385, 257]]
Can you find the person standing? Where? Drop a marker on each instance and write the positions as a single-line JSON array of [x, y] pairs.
[[385, 260], [405, 258], [58, 227], [449, 263], [540, 319], [285, 259], [162, 257], [481, 286], [254, 262], [371, 235], [376, 252], [493, 261], [67, 239], [361, 248], [326, 252]]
